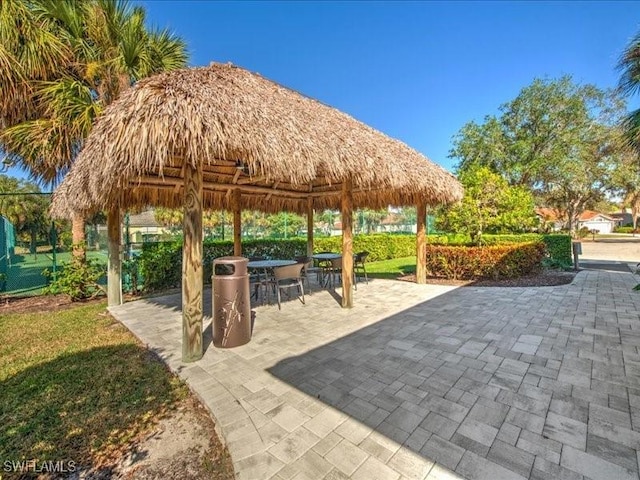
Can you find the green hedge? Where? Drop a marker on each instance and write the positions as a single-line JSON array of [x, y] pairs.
[[495, 261], [160, 263], [559, 252], [625, 230], [379, 246]]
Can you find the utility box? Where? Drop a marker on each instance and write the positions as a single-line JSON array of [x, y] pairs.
[[231, 303], [577, 251]]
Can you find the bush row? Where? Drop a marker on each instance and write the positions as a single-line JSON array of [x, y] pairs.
[[495, 261], [160, 263], [625, 230]]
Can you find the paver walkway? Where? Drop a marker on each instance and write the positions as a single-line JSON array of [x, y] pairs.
[[428, 381]]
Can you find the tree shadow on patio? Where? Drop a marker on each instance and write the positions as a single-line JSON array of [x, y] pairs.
[[418, 378]]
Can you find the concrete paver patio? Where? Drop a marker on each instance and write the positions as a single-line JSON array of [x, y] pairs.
[[427, 381]]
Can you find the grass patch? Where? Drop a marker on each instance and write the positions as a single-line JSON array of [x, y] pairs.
[[394, 268], [76, 385]]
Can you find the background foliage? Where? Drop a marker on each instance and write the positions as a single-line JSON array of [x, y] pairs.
[[160, 263]]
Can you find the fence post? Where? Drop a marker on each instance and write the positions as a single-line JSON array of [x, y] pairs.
[[54, 243]]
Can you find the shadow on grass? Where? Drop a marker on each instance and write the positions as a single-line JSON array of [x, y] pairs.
[[84, 406]]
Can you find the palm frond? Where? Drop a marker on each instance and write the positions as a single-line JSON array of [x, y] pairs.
[[629, 66], [70, 103], [631, 127], [42, 147], [167, 51]]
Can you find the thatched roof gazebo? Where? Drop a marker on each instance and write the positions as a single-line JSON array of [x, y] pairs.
[[222, 137]]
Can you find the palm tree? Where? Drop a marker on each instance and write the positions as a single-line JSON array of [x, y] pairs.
[[63, 61], [629, 84]]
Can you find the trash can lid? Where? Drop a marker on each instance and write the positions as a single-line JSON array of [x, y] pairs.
[[230, 259], [236, 266]]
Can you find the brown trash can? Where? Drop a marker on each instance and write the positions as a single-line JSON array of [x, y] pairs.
[[231, 303]]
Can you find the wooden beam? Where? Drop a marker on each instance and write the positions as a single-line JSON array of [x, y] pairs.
[[172, 182], [114, 261], [275, 187], [237, 222], [250, 180], [347, 244], [309, 227], [192, 288], [421, 244]]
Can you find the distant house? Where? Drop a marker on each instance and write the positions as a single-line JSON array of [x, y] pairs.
[[551, 218], [394, 223], [555, 220], [143, 227], [623, 219], [597, 221]]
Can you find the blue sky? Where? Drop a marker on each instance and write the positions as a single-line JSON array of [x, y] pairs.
[[418, 71]]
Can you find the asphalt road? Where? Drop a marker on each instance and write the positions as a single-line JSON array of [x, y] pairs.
[[623, 249]]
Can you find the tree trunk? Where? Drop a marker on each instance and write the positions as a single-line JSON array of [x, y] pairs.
[[78, 237]]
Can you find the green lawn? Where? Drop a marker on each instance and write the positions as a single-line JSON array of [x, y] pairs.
[[76, 385], [393, 268]]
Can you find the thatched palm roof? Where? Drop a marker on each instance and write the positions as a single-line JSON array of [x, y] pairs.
[[293, 148]]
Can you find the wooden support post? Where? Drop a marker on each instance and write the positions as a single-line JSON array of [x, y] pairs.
[[421, 244], [114, 260], [347, 244], [192, 288], [237, 222], [309, 226]]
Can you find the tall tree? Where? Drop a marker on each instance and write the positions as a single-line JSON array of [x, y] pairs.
[[489, 205], [556, 138], [26, 208], [61, 63]]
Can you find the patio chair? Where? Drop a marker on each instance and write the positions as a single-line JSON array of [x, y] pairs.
[[259, 280], [259, 283], [309, 269], [288, 277], [359, 269], [333, 272], [322, 266]]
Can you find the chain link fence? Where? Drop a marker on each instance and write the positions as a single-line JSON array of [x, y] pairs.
[[34, 248]]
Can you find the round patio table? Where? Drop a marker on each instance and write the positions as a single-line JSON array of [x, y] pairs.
[[270, 263], [326, 256], [325, 274]]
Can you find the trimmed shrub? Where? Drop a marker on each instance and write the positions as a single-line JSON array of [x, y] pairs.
[[78, 279], [160, 263], [496, 261], [625, 230], [559, 254]]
